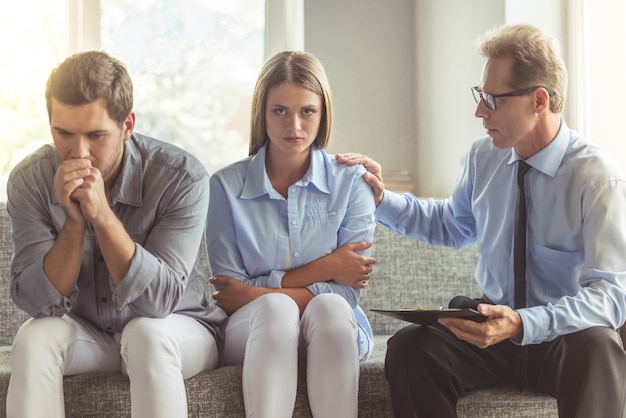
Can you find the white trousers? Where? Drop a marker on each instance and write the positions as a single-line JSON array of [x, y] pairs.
[[264, 335], [157, 354]]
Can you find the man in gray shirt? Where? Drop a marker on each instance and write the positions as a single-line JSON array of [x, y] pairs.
[[107, 225]]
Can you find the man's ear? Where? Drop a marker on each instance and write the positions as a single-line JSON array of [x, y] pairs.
[[128, 125], [542, 100]]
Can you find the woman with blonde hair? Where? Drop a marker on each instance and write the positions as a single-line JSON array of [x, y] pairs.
[[289, 232]]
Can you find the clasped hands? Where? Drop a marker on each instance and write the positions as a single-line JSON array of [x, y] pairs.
[[79, 189]]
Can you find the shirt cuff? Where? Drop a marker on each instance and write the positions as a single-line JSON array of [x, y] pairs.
[[142, 270], [319, 288], [60, 304], [275, 279], [390, 207], [536, 324]]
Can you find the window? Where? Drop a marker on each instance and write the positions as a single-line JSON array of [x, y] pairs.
[[32, 43], [606, 66], [193, 64]]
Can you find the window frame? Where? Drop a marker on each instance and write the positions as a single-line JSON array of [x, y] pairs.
[[284, 25]]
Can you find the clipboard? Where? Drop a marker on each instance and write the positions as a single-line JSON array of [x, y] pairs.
[[429, 316]]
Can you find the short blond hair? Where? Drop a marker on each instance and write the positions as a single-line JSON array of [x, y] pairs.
[[300, 68], [537, 59]]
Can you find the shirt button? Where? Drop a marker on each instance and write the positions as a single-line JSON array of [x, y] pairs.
[[103, 299], [294, 222], [293, 190], [296, 254], [68, 304], [101, 259]]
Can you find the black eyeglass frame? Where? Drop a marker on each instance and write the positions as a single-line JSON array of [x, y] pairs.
[[489, 98]]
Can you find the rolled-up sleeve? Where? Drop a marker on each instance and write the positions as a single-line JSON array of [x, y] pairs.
[[160, 268], [34, 218]]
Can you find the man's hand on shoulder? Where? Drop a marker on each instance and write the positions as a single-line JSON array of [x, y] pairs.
[[373, 176], [502, 323]]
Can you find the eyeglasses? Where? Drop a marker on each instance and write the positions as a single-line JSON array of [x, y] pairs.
[[490, 99]]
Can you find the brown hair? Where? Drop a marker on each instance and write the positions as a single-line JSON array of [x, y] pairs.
[[89, 76], [537, 59], [300, 68]]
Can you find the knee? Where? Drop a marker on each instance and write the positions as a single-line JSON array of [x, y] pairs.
[[329, 306], [144, 339], [40, 345], [35, 335], [276, 315], [276, 307], [403, 339], [409, 345], [597, 344], [331, 315]]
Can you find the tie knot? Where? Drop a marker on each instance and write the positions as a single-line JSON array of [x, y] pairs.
[[522, 169]]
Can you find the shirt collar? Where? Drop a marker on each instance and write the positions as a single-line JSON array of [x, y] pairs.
[[549, 158], [255, 185], [128, 186], [317, 171]]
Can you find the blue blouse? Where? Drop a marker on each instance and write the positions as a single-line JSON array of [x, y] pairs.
[[255, 235]]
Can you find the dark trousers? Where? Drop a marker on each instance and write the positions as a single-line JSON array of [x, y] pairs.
[[428, 369]]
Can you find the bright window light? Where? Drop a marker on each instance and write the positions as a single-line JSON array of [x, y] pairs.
[[193, 64], [33, 39]]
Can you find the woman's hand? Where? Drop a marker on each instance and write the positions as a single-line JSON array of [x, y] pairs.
[[233, 293], [349, 267]]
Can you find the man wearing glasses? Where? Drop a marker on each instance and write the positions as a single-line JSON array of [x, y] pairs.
[[546, 209]]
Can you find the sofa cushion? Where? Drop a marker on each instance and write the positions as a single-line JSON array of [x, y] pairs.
[[11, 317], [218, 394]]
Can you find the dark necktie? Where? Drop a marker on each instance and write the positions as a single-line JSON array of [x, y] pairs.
[[519, 248], [519, 270]]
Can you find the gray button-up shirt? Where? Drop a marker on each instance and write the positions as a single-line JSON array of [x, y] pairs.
[[161, 197]]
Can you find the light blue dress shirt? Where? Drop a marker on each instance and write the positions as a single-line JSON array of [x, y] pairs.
[[255, 235], [576, 237]]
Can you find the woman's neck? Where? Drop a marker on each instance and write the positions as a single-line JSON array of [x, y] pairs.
[[283, 170]]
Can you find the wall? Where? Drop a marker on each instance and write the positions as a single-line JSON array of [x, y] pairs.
[[447, 67], [402, 72], [368, 50]]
